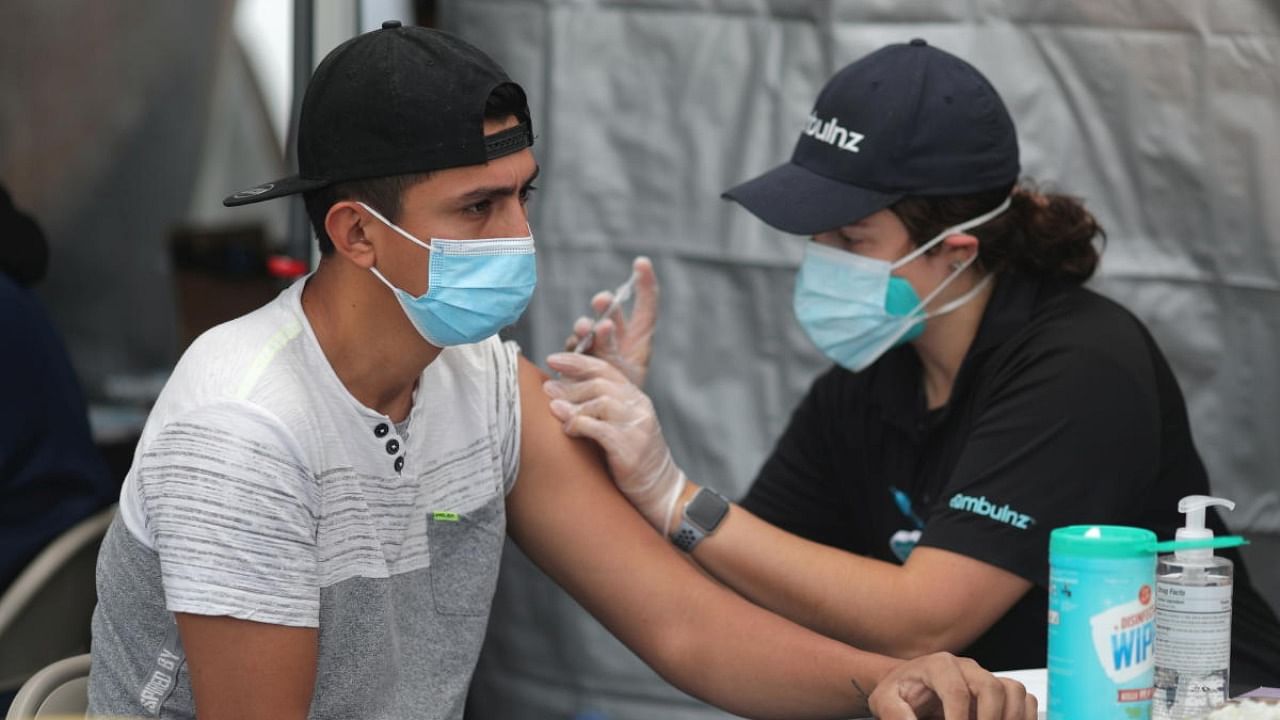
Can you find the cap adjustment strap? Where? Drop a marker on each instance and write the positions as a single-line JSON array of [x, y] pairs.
[[511, 140]]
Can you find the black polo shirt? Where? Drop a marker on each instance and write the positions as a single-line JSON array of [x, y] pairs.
[[1064, 412]]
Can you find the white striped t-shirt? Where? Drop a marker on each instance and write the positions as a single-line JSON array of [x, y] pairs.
[[262, 490]]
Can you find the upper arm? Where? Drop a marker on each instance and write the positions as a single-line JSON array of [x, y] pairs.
[[1064, 440], [568, 517], [243, 670], [231, 514], [963, 597]]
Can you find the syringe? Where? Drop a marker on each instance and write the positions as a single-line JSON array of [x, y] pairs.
[[620, 296]]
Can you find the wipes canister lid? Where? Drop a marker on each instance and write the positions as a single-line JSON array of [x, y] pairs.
[[1102, 541]]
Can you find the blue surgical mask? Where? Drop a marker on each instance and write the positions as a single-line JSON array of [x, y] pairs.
[[855, 309], [474, 287]]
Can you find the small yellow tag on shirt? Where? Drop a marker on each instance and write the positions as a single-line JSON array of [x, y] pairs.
[[445, 516]]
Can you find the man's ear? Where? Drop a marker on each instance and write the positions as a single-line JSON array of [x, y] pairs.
[[346, 223]]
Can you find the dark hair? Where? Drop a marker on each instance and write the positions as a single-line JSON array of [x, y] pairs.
[[384, 194], [1043, 235], [24, 252]]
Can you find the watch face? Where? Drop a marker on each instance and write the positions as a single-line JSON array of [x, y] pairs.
[[707, 509]]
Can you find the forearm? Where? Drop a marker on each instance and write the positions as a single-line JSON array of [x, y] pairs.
[[868, 603], [755, 664], [699, 635], [710, 642]]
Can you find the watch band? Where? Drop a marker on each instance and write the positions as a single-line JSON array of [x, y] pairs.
[[701, 516]]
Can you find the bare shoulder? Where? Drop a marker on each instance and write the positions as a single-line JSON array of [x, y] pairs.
[[568, 517], [543, 443], [551, 462], [533, 402]]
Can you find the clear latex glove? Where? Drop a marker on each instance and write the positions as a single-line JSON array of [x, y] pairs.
[[595, 400], [942, 685], [625, 341]]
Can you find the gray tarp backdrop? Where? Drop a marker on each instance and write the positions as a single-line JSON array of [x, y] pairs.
[[119, 120], [1163, 114]]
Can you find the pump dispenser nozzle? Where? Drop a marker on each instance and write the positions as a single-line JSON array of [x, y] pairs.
[[1194, 506]]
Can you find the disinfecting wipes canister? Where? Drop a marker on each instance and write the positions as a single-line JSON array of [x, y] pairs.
[[1101, 623]]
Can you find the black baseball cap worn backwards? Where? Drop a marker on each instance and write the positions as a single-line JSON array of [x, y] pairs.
[[906, 120], [395, 101]]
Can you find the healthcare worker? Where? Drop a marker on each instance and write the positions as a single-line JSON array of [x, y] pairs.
[[980, 395]]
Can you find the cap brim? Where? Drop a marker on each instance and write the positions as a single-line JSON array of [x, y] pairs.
[[796, 200], [279, 188]]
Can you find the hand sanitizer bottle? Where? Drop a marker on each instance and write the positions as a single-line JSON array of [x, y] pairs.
[[1193, 621]]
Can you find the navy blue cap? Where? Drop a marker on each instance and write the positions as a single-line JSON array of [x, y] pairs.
[[906, 120], [395, 101]]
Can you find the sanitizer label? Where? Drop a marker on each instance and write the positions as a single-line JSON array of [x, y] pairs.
[[1194, 624]]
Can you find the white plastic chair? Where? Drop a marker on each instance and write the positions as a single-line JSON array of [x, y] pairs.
[[45, 613], [60, 690]]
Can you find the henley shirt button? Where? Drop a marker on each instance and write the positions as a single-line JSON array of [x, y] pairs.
[[381, 430], [399, 463], [393, 446]]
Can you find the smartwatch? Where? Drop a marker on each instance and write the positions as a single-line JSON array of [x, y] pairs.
[[702, 515]]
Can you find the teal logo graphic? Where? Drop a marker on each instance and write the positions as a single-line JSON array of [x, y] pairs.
[[1000, 513], [903, 542]]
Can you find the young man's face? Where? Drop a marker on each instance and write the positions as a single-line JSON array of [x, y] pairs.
[[465, 203]]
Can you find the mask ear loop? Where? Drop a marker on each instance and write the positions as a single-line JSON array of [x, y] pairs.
[[966, 297], [919, 310], [394, 226], [914, 317], [527, 236], [958, 228], [378, 273]]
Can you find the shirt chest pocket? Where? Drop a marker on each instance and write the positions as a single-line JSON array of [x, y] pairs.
[[465, 551]]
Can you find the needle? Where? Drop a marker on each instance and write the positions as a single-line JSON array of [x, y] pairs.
[[620, 296]]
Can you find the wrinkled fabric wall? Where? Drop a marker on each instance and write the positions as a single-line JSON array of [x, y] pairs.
[[101, 125], [1162, 114], [120, 121]]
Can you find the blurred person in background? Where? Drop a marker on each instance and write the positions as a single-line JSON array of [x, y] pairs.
[[980, 396], [51, 475]]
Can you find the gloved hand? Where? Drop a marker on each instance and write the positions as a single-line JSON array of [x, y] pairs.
[[625, 342], [595, 400]]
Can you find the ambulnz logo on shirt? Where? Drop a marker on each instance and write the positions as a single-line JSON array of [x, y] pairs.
[[903, 542], [1000, 513]]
